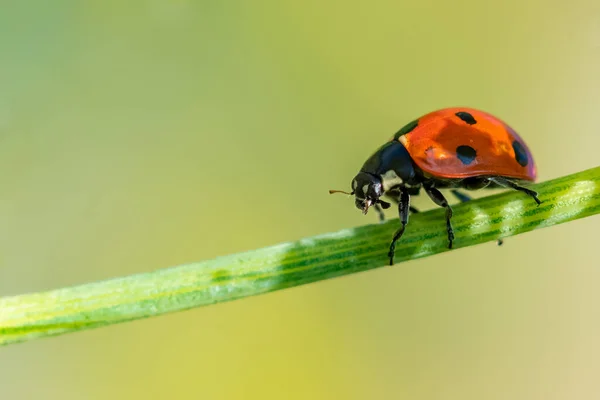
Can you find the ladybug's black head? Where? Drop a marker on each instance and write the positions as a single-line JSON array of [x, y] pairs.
[[367, 189], [390, 166]]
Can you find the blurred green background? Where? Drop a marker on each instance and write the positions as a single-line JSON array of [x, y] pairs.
[[140, 135]]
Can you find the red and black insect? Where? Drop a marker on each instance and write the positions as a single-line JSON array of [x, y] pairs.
[[449, 148]]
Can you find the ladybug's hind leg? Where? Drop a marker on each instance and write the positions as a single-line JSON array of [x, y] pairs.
[[510, 184], [403, 209], [439, 199]]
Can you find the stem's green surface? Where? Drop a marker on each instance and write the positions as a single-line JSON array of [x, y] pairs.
[[92, 305]]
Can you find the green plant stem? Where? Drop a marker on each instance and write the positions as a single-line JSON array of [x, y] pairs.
[[28, 316]]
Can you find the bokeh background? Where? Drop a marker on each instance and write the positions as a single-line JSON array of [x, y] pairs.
[[140, 135]]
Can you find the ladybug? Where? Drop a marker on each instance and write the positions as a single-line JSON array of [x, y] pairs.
[[452, 148]]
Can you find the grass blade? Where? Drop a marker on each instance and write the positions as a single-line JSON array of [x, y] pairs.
[[29, 316]]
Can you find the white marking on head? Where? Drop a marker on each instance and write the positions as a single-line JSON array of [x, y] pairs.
[[365, 188], [354, 184], [390, 179]]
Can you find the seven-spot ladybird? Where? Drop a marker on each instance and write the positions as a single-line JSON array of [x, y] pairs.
[[449, 148]]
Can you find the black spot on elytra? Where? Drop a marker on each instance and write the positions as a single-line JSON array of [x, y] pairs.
[[406, 128], [466, 154], [520, 153], [466, 117]]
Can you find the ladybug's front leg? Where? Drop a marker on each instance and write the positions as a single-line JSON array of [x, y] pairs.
[[439, 199], [394, 196], [403, 210]]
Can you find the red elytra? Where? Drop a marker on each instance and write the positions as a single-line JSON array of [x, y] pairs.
[[432, 144]]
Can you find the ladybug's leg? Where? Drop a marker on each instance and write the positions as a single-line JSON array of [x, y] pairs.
[[394, 195], [414, 191], [410, 208], [509, 184], [439, 199], [461, 196], [463, 199], [380, 212], [403, 208]]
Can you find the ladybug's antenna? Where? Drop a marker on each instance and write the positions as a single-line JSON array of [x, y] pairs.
[[341, 191]]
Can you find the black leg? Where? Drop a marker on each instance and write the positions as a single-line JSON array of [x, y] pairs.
[[439, 199], [509, 184], [394, 196], [461, 196], [380, 212], [403, 208]]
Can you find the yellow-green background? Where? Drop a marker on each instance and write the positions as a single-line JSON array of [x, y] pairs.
[[140, 135]]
